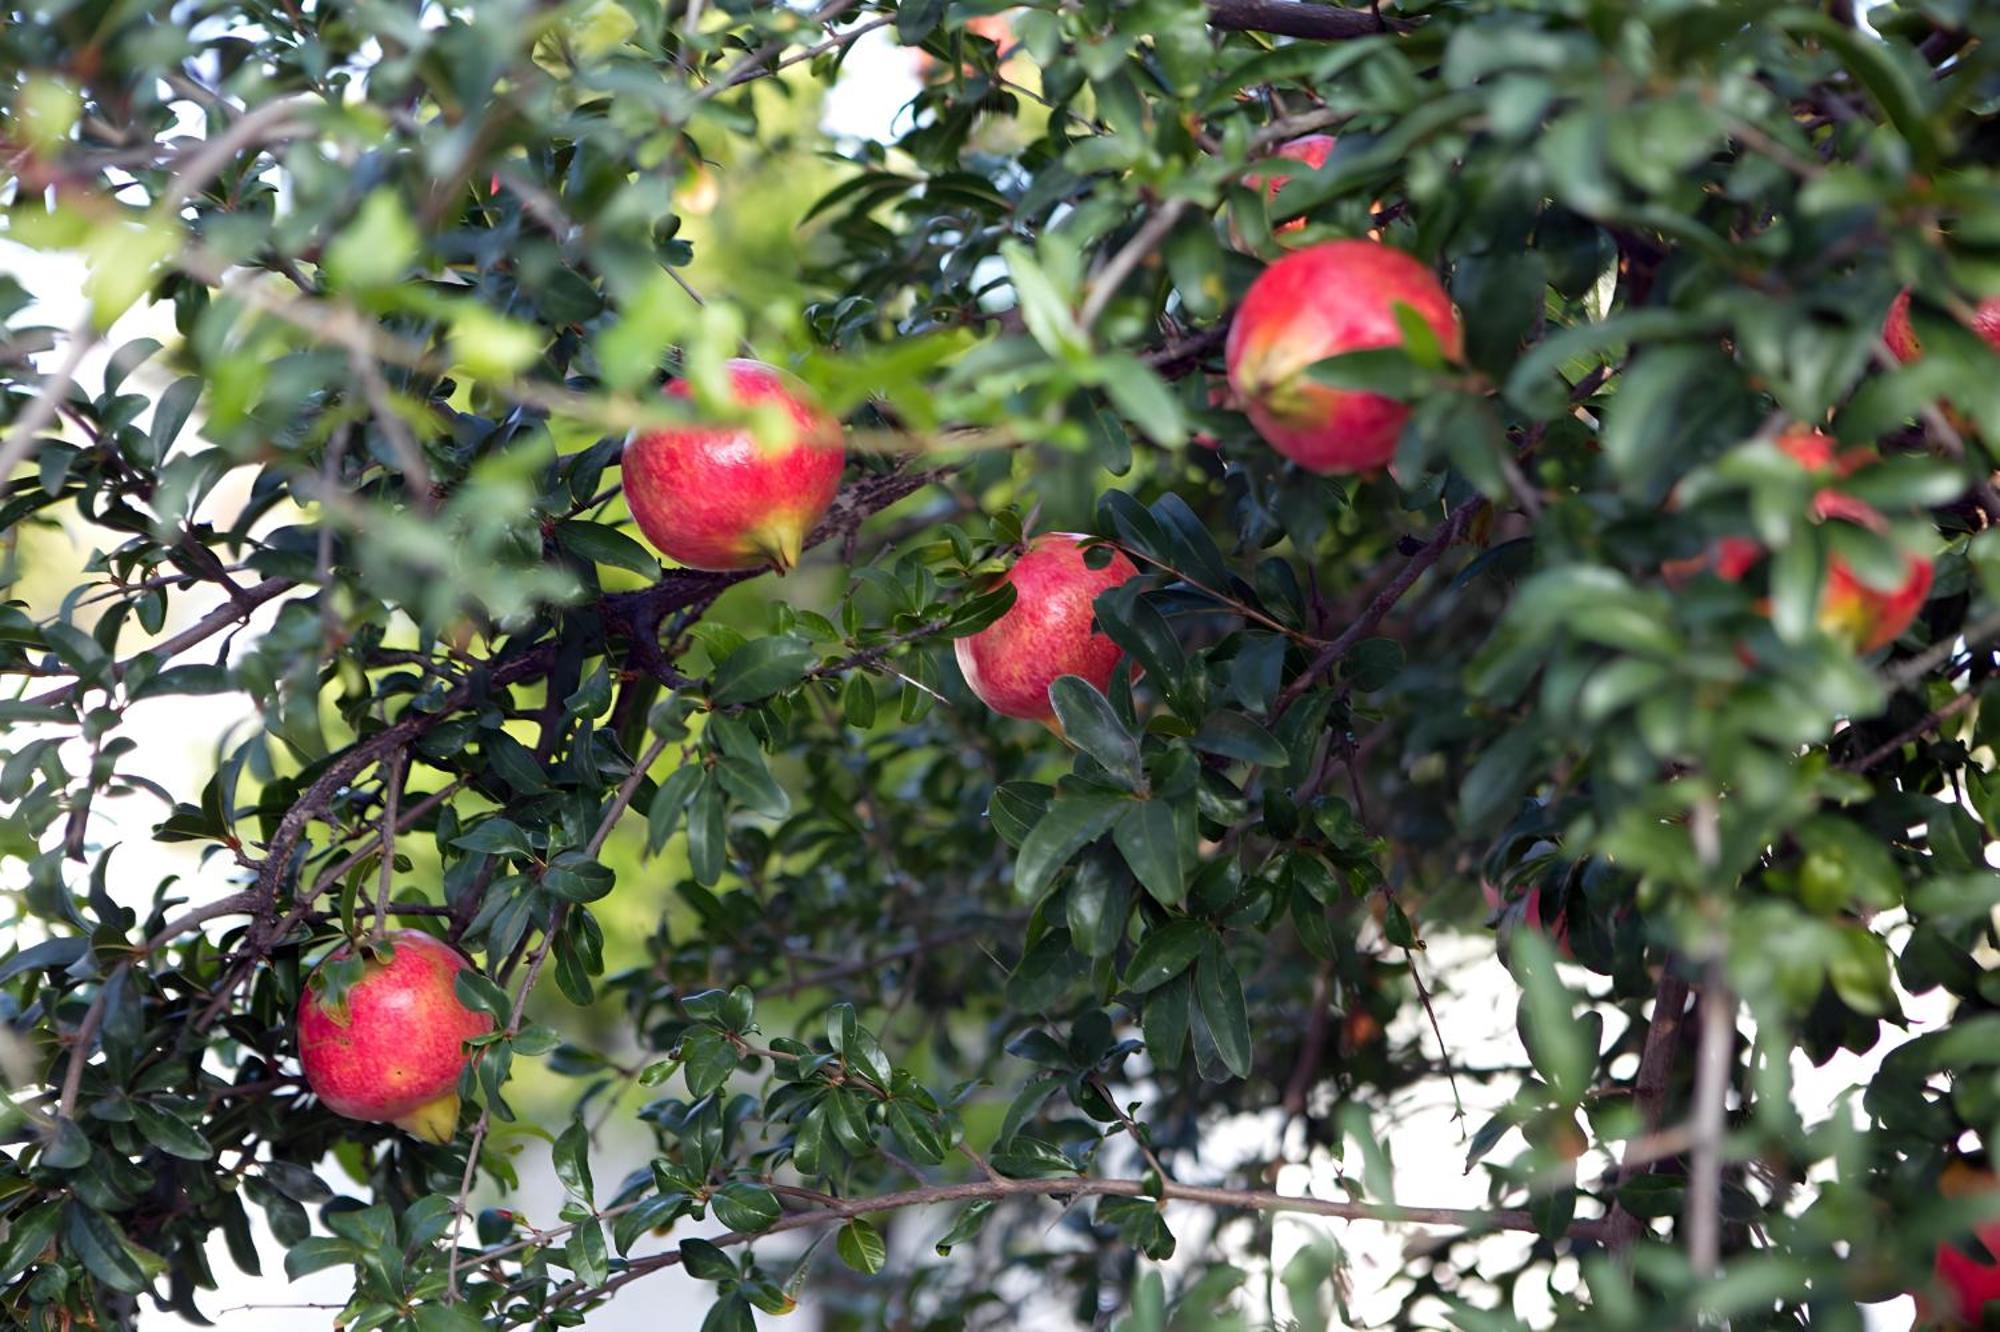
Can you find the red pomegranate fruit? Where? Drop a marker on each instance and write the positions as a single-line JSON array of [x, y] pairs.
[[1047, 632], [1320, 302], [1902, 337], [391, 1047], [1310, 149], [713, 496], [1864, 617], [1971, 1284]]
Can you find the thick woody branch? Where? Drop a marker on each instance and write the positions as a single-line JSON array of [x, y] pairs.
[[1292, 18], [636, 616], [391, 739]]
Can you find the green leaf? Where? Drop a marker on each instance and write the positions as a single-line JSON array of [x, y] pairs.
[[745, 1207], [1016, 808], [1548, 1024], [68, 1148], [377, 247], [1233, 735], [1026, 1157], [571, 1159], [860, 1246], [297, 1182], [1050, 320], [708, 1058], [1165, 952], [452, 1317], [480, 994], [857, 701], [315, 1253], [1373, 663], [1071, 823], [705, 1262], [1089, 723], [514, 761], [967, 1227], [731, 1313], [169, 1133], [1218, 995], [663, 815], [1143, 398], [1390, 372], [575, 877], [707, 836], [751, 782], [1147, 837], [1098, 904], [918, 1132], [585, 1253], [760, 668], [600, 543], [494, 836], [27, 1235], [98, 1241]]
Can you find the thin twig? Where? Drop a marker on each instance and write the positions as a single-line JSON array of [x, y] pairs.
[[1131, 1127], [1907, 672], [222, 617], [404, 823], [1924, 725], [620, 802], [80, 1043], [1710, 1120], [1149, 237], [749, 66], [409, 455], [458, 1211], [267, 124], [1385, 601], [1242, 608], [392, 784], [20, 441], [1291, 18]]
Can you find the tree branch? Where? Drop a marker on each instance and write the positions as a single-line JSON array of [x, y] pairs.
[[1657, 1058], [620, 802], [839, 1209], [1290, 18], [1710, 1121], [1385, 601], [222, 617], [1924, 725], [1149, 237], [335, 778], [20, 441]]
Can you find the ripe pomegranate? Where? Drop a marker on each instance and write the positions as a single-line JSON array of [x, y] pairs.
[[1311, 149], [1972, 1283], [1047, 632], [1865, 617], [390, 1048], [1319, 302], [1902, 337], [715, 497]]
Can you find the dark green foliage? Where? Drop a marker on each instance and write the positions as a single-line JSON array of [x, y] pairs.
[[832, 938]]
